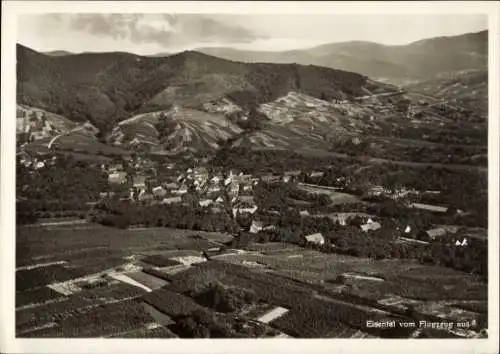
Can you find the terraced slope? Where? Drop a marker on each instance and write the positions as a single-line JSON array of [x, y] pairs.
[[467, 89], [192, 131], [298, 120]]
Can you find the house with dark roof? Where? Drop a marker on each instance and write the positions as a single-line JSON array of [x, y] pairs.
[[432, 234]]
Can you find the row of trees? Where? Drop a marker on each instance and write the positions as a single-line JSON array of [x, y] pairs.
[[123, 214], [61, 188]]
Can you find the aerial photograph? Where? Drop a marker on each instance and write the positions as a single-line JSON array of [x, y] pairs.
[[183, 175]]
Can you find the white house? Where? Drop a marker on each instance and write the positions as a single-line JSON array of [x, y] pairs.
[[40, 164], [205, 202], [256, 226], [316, 238], [171, 200], [159, 191], [304, 213], [371, 226]]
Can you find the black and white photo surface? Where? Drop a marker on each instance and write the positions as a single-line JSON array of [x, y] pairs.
[[184, 175]]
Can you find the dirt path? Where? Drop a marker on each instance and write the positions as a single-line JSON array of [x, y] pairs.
[[56, 223]]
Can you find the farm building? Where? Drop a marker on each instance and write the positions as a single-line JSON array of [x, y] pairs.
[[159, 191], [117, 177], [256, 226], [304, 213], [39, 164], [188, 260], [371, 226], [269, 228], [172, 200], [205, 202], [272, 315], [316, 174], [461, 243], [431, 234], [429, 207], [316, 238]]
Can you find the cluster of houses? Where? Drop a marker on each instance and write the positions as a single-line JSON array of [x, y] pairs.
[[33, 161], [212, 188], [33, 123]]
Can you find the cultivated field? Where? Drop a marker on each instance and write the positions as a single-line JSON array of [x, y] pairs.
[[147, 282]]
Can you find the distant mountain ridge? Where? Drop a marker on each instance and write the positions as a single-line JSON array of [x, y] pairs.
[[420, 60]]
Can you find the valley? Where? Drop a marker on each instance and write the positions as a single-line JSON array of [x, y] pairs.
[[191, 196]]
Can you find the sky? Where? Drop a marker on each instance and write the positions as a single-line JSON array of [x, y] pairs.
[[162, 33]]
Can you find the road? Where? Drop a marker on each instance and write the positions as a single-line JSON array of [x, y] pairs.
[[386, 94], [437, 101], [54, 139]]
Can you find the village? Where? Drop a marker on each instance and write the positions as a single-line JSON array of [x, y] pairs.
[[145, 182], [216, 190], [300, 249]]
